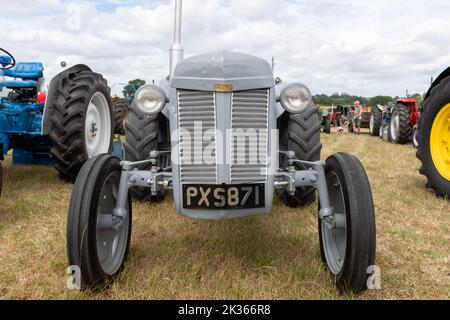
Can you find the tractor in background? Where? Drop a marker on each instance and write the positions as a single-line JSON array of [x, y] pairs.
[[434, 135], [325, 120], [64, 128], [336, 115], [405, 117], [397, 123]]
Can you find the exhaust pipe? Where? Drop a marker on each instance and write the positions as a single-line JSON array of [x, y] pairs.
[[176, 50]]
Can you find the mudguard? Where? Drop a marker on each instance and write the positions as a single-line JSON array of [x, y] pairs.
[[54, 87], [443, 75]]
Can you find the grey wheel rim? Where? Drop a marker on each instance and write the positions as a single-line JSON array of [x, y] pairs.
[[371, 123], [334, 238], [415, 141], [395, 126], [112, 234], [97, 132]]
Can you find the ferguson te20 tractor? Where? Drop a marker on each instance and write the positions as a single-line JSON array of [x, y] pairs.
[[233, 139]]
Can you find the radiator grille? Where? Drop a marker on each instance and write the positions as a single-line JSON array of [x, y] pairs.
[[249, 117], [194, 108]]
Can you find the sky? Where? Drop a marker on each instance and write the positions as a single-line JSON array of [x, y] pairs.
[[366, 48]]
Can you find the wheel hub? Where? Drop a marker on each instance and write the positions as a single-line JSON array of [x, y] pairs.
[[395, 126], [371, 123], [334, 228], [440, 142], [112, 232], [97, 126]]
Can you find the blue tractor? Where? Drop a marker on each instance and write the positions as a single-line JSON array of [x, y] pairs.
[[66, 128]]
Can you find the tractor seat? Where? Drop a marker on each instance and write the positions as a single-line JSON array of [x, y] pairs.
[[25, 71], [18, 84]]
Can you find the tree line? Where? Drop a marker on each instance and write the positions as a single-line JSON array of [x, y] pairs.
[[347, 99]]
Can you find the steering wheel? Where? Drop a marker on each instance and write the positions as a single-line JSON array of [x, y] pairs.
[[7, 61]]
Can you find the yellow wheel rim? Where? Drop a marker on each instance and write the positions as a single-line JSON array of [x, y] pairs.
[[440, 142]]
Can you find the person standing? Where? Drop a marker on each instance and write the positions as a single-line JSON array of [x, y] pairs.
[[357, 118]]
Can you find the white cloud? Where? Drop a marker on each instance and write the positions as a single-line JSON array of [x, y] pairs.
[[369, 48]]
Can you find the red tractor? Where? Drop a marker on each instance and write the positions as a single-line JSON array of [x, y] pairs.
[[335, 116], [404, 120]]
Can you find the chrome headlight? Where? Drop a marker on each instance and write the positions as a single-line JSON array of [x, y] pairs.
[[295, 97], [150, 99]]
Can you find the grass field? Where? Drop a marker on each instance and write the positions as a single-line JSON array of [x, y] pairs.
[[271, 257]]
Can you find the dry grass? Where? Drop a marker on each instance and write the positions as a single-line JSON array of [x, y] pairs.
[[272, 257]]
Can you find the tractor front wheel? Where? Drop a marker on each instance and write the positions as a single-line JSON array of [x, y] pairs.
[[97, 241], [434, 139], [347, 241], [142, 133], [300, 133]]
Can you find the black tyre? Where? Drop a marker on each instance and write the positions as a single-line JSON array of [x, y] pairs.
[[388, 136], [328, 126], [375, 121], [141, 132], [81, 121], [348, 245], [93, 244], [301, 135], [120, 107], [436, 111], [401, 130]]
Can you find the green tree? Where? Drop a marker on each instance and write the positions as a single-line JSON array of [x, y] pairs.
[[130, 89], [381, 100]]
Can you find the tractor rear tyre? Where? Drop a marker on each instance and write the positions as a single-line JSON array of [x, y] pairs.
[[434, 139], [375, 121], [348, 241], [120, 107], [141, 132], [303, 137], [81, 122], [401, 130], [97, 241]]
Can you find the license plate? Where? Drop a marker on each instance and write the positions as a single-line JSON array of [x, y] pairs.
[[224, 197]]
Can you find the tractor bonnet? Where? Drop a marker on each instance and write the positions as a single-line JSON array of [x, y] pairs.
[[224, 69]]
